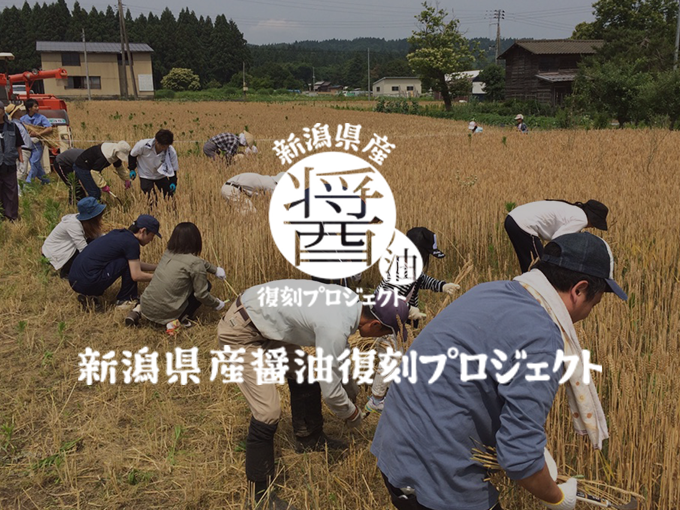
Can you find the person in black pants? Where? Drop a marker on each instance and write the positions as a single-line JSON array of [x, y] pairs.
[[97, 158], [63, 166], [155, 160]]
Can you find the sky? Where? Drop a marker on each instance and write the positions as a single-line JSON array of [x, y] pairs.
[[273, 21]]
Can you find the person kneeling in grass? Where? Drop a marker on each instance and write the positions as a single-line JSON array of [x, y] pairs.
[[113, 256], [72, 235], [180, 284]]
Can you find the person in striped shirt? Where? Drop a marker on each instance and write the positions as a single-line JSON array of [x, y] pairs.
[[426, 242]]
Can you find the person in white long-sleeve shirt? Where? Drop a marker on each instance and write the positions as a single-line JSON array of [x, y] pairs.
[[155, 161], [253, 323], [529, 225], [72, 234], [239, 189]]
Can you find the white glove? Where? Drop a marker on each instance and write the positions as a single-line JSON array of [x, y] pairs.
[[568, 501], [221, 274], [550, 462], [355, 423], [220, 306], [254, 149], [450, 288], [414, 314]]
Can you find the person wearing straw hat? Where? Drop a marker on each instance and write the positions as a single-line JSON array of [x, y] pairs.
[[252, 324], [475, 128], [228, 145], [10, 152], [523, 327], [521, 126], [239, 189], [97, 158], [155, 160], [426, 242], [41, 126], [530, 224], [112, 256], [15, 112], [72, 235]]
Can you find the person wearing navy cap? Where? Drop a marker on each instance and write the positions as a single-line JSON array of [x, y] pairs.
[[115, 255], [427, 430]]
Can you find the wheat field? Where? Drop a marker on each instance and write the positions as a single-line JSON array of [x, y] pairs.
[[64, 444]]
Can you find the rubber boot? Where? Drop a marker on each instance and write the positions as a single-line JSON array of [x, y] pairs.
[[305, 404], [260, 456]]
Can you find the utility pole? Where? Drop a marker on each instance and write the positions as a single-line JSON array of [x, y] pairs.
[[369, 73], [313, 80], [129, 59], [497, 15], [124, 88], [87, 69], [677, 40], [245, 87]]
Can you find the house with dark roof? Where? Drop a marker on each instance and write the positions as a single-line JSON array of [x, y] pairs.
[[544, 70], [105, 64]]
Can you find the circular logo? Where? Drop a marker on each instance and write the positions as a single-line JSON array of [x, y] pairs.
[[332, 215], [402, 263]]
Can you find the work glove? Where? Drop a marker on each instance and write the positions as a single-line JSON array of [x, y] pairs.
[[254, 149], [128, 184], [133, 175], [414, 314], [106, 189], [221, 274], [568, 501], [550, 462], [247, 152], [173, 187], [450, 288], [219, 306], [354, 422]]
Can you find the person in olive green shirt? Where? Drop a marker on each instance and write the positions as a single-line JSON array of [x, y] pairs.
[[180, 283]]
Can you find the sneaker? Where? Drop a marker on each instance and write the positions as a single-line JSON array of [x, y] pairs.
[[318, 444], [375, 405], [90, 303], [133, 317], [126, 304], [186, 323], [44, 180]]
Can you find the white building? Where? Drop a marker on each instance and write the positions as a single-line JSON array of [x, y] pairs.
[[397, 86]]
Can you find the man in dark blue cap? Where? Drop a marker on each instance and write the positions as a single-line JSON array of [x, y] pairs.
[[113, 256], [427, 431]]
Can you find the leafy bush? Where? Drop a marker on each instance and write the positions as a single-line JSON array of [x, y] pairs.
[[180, 78], [164, 94], [213, 84]]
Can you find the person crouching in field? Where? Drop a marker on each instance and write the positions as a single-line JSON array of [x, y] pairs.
[[180, 283], [228, 144], [155, 160], [528, 224], [255, 326], [97, 158], [426, 242], [426, 433], [72, 235], [112, 256], [238, 190]]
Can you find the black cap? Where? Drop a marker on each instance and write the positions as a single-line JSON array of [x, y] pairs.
[[149, 223], [596, 212], [588, 254], [425, 240]]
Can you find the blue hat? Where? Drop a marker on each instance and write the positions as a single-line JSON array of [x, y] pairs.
[[149, 223], [588, 254], [89, 208]]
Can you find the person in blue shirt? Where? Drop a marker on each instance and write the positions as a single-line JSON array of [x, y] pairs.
[[112, 256], [426, 432], [43, 127]]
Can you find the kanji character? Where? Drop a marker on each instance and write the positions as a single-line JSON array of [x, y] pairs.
[[379, 147], [348, 136], [228, 363], [317, 137], [268, 296], [291, 297], [287, 150], [507, 377], [440, 359], [89, 366], [388, 365], [481, 367], [319, 367], [145, 367], [185, 366], [363, 365], [270, 365]]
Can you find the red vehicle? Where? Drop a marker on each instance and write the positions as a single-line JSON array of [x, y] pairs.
[[50, 106]]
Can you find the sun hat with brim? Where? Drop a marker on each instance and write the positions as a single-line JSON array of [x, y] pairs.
[[472, 125], [596, 212], [14, 108], [425, 240], [519, 116], [586, 253], [148, 222], [392, 311], [246, 139], [119, 150], [89, 208]]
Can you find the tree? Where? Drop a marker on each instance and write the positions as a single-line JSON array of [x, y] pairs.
[[662, 96], [493, 77], [180, 78], [438, 50]]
